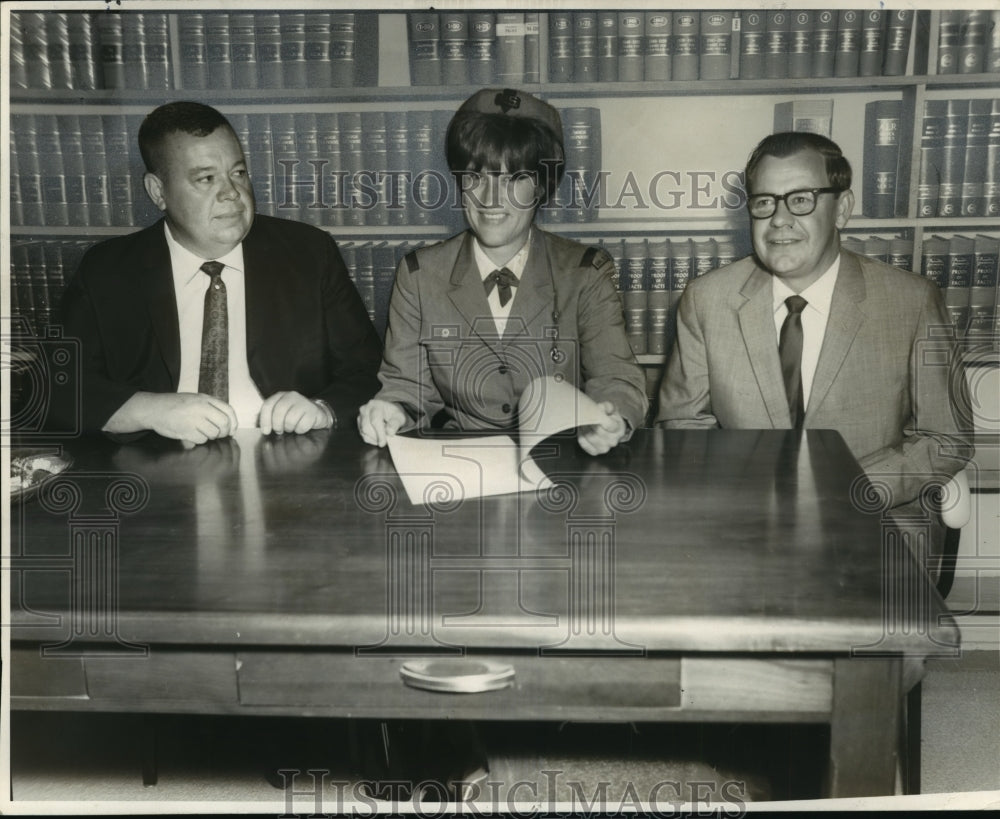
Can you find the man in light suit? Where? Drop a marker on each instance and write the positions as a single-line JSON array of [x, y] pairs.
[[300, 350], [873, 358]]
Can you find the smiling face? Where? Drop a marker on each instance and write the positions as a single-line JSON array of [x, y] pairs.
[[500, 210], [202, 185], [798, 249]]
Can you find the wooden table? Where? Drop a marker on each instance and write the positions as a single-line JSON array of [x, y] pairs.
[[688, 575]]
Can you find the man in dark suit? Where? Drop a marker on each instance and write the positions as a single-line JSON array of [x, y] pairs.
[[872, 355], [290, 348]]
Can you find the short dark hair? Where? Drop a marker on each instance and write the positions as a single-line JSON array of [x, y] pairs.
[[478, 141], [192, 118], [789, 143]]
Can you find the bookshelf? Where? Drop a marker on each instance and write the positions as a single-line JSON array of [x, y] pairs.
[[657, 183]]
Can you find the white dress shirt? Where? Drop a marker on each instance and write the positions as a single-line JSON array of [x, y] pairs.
[[819, 295], [487, 266], [190, 285]]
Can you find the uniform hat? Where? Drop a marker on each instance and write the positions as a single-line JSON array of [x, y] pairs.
[[514, 103]]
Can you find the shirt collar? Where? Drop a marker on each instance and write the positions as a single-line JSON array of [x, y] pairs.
[[819, 294], [186, 265], [515, 265]]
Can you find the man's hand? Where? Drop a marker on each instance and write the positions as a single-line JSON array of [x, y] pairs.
[[377, 420], [292, 412], [186, 416], [597, 439]]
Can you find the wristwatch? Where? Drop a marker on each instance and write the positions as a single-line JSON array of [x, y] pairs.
[[330, 414]]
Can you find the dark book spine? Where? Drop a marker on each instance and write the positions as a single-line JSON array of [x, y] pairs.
[[847, 59], [898, 32], [931, 149], [725, 251], [71, 147], [288, 166], [50, 163], [983, 293], [243, 42], [425, 47], [715, 58], [364, 276], [702, 257], [607, 46], [317, 48], [261, 147], [293, 49], [634, 296], [585, 46], [134, 51], [29, 170], [582, 129], [268, 36], [14, 191], [376, 163], [39, 285], [659, 46], [959, 270], [976, 148], [682, 265], [881, 158], [112, 38], [426, 186], [384, 274], [83, 52], [972, 41], [219, 49], [398, 171], [310, 169], [991, 187], [953, 158], [752, 28], [901, 253], [352, 143], [328, 138], [684, 60], [532, 47], [800, 46], [949, 30], [991, 62], [630, 46], [18, 66], [57, 36], [17, 310], [144, 212], [776, 31], [454, 48], [194, 57], [658, 298], [934, 261], [482, 47], [54, 272], [824, 42], [157, 52], [872, 44], [510, 49], [343, 49], [36, 50], [561, 48], [96, 170]]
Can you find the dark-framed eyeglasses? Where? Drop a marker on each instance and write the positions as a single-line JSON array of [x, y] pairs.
[[799, 203]]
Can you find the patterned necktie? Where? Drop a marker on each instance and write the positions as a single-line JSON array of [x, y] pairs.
[[503, 280], [790, 353], [213, 378]]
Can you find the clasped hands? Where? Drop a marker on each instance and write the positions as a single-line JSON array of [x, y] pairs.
[[378, 419]]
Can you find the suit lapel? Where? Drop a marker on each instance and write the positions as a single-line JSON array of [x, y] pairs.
[[469, 297], [842, 326], [259, 300], [756, 318], [534, 293], [161, 301]]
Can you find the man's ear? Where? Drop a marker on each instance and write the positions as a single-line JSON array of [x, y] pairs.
[[845, 206], [154, 189]]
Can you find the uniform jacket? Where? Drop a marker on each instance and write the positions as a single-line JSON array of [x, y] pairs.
[[884, 378], [442, 350], [307, 329]]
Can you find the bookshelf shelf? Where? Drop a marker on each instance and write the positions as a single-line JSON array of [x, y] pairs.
[[366, 232]]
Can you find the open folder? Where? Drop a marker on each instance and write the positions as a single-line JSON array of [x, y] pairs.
[[450, 469]]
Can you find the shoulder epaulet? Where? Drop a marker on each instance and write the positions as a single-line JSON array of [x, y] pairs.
[[412, 263]]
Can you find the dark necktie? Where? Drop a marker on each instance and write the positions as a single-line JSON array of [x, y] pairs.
[[503, 280], [790, 352], [213, 378]]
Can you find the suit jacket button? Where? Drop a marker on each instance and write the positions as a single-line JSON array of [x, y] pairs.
[[505, 408], [502, 370]]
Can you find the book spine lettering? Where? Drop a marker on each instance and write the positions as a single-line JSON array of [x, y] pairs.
[[454, 48], [684, 60], [846, 60]]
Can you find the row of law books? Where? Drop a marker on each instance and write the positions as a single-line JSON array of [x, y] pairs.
[[217, 50], [968, 41], [966, 269], [959, 158], [347, 168], [454, 48]]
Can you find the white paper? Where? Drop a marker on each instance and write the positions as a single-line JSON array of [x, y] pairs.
[[444, 470]]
